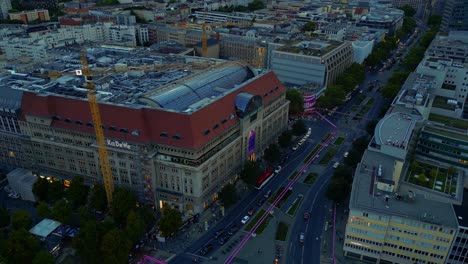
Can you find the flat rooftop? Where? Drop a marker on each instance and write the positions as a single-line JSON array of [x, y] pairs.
[[394, 129], [366, 197], [311, 47], [138, 78]]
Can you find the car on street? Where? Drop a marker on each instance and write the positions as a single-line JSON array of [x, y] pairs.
[[206, 249], [234, 228], [251, 211], [245, 219], [346, 154], [267, 194], [295, 147], [278, 169], [301, 238], [306, 215], [223, 239], [260, 201], [140, 244], [14, 195], [218, 233], [336, 165]]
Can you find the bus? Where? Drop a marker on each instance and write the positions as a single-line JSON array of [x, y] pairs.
[[264, 179]]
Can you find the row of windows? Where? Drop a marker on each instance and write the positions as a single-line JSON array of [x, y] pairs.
[[90, 124], [215, 126], [370, 242], [355, 246]]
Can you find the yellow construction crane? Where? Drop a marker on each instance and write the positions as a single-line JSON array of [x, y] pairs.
[[104, 162]]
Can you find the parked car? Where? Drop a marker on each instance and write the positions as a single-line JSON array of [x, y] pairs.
[[346, 154], [336, 165], [251, 211], [267, 194], [278, 169], [234, 228], [260, 201], [223, 239], [14, 195], [301, 238], [218, 233], [206, 249], [245, 219]]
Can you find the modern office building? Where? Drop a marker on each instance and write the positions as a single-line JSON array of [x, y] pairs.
[[175, 136], [455, 15], [390, 19], [31, 15], [313, 62], [408, 190], [459, 250], [453, 45], [420, 6]]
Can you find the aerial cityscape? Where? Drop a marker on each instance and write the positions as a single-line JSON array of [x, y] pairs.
[[234, 131]]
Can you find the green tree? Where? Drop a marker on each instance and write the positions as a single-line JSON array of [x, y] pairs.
[[415, 166], [42, 210], [98, 200], [434, 20], [88, 241], [135, 227], [146, 213], [338, 189], [285, 139], [415, 56], [62, 211], [43, 257], [255, 5], [123, 202], [309, 26], [451, 170], [296, 100], [84, 215], [299, 128], [272, 153], [55, 191], [334, 96], [41, 188], [370, 127], [170, 221], [20, 247], [21, 219], [409, 11], [4, 217], [77, 193], [250, 172], [228, 195], [115, 247]]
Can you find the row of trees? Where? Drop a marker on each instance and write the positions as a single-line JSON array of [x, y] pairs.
[[345, 83], [340, 186], [20, 246], [255, 5], [383, 49]]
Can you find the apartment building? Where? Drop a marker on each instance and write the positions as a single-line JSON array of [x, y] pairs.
[[459, 250], [31, 15], [455, 16], [225, 115], [314, 62]]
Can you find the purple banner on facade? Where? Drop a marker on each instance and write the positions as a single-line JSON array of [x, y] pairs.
[[309, 102], [251, 148]]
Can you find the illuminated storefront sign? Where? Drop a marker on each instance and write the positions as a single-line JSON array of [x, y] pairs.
[[118, 144]]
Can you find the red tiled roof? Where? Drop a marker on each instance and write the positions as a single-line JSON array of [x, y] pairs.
[[358, 11], [151, 122]]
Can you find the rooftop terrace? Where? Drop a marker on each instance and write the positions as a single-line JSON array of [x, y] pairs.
[[394, 129], [366, 195], [311, 47]]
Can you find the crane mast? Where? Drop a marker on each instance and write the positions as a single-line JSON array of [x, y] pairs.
[[104, 163]]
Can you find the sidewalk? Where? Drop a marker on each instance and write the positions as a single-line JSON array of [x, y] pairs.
[[259, 249], [326, 256], [192, 233]]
